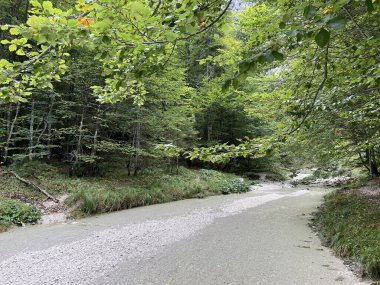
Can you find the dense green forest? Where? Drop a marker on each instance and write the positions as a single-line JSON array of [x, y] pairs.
[[88, 87], [86, 81]]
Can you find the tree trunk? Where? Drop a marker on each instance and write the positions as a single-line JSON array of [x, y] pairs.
[[97, 127], [10, 133], [371, 162], [137, 147], [137, 143], [49, 140], [31, 132], [374, 172], [209, 132], [95, 142], [80, 135]]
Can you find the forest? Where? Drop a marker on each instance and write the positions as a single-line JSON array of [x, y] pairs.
[[88, 87], [114, 104], [85, 82]]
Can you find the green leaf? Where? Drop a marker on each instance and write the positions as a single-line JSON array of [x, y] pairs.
[[282, 25], [35, 4], [12, 47], [106, 40], [337, 23], [5, 42], [244, 66], [20, 52], [4, 62], [369, 5], [261, 58], [322, 37], [47, 5], [309, 11], [14, 32], [277, 55]]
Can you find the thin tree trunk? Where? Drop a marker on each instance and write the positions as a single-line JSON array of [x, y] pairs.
[[79, 144], [177, 163], [26, 10], [374, 172], [49, 140], [129, 165], [95, 137], [209, 132], [10, 133], [47, 126], [365, 163], [138, 143], [8, 125], [31, 132], [95, 142]]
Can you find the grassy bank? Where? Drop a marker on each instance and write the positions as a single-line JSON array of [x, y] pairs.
[[351, 225], [114, 190], [153, 187]]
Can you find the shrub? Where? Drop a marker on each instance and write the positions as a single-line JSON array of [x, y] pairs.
[[236, 185], [14, 212], [275, 177], [207, 174]]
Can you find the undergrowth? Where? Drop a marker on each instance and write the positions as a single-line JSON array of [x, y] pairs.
[[352, 228], [17, 213], [153, 187], [115, 190]]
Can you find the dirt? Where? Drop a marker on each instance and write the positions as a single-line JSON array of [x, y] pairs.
[[53, 212], [371, 191]]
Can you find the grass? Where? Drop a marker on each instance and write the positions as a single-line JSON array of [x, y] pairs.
[[351, 225], [115, 190], [152, 188]]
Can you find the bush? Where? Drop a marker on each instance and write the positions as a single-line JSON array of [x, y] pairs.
[[207, 174], [14, 212], [236, 185], [321, 173], [275, 177]]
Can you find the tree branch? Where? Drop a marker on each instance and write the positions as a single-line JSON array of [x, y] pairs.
[[320, 87], [31, 184]]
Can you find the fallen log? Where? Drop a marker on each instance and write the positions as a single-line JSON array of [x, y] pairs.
[[33, 185]]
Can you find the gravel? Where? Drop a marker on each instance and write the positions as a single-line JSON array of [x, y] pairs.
[[97, 255]]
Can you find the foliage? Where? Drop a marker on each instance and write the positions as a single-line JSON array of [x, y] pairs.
[[233, 186], [275, 176], [295, 77], [208, 174], [129, 38], [18, 213], [351, 225]]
